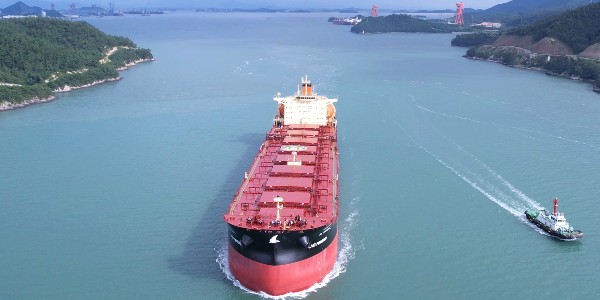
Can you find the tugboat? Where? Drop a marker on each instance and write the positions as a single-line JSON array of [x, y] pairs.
[[555, 223]]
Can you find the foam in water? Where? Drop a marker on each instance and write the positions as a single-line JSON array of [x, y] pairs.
[[242, 67], [566, 139], [521, 202], [512, 188], [558, 137], [514, 207], [346, 254], [512, 200], [502, 204], [412, 98], [490, 190], [531, 111]]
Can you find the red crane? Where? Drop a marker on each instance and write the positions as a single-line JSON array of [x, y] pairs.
[[374, 10], [458, 19]]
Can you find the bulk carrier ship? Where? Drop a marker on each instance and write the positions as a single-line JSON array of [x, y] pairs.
[[282, 222]]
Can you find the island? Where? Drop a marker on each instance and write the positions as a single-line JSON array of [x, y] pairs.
[[41, 56], [401, 23], [566, 45]]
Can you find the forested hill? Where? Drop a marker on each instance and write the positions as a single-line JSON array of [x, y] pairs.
[[520, 12], [536, 5], [565, 45], [39, 55], [578, 28], [400, 23]]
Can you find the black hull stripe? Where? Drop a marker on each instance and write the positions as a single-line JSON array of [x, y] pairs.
[[274, 247]]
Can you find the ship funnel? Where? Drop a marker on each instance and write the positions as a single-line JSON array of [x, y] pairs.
[[306, 87], [555, 205]]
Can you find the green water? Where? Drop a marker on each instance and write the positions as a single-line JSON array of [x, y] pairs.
[[118, 191]]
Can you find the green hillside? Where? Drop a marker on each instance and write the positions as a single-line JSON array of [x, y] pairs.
[[522, 12], [38, 55], [515, 6], [578, 28], [538, 45]]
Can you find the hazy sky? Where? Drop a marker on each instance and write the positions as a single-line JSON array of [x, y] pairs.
[[383, 4]]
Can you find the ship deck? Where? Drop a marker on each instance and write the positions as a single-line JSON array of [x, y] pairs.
[[298, 163]]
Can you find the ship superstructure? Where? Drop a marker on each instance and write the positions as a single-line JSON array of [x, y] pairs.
[[282, 222]]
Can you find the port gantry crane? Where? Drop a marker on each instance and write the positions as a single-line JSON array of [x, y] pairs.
[[374, 10], [458, 19]]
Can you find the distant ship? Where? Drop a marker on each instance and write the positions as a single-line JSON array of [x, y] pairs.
[[282, 222], [346, 21], [553, 223]]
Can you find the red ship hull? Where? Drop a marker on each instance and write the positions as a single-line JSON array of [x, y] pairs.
[[282, 222], [282, 279]]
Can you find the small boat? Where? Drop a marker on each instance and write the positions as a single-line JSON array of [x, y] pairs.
[[553, 223]]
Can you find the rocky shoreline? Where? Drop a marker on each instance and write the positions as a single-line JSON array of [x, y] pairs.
[[68, 88], [594, 88], [133, 63], [573, 67], [5, 105]]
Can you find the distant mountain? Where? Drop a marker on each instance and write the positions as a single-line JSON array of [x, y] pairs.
[[522, 12], [22, 9], [516, 6]]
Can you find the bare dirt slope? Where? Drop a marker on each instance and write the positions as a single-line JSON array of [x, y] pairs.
[[552, 46], [592, 51], [525, 42], [546, 45]]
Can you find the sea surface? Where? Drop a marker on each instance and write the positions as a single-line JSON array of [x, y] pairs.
[[118, 191]]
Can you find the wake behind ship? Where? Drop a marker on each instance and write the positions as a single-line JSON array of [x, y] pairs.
[[282, 222]]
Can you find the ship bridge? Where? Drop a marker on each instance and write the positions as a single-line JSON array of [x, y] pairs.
[[305, 107]]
